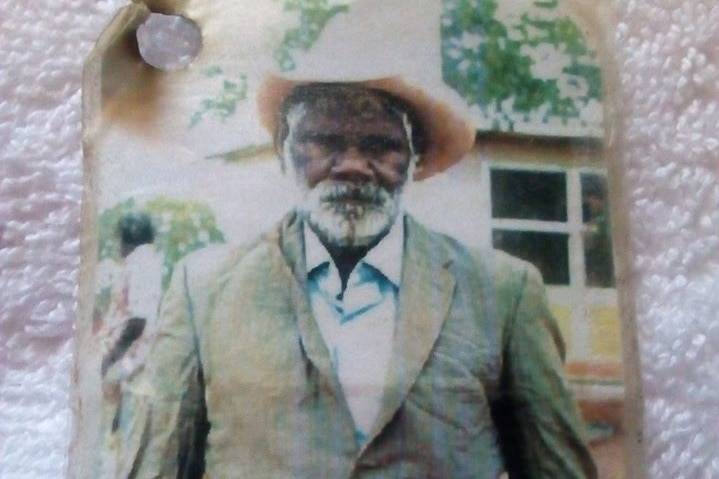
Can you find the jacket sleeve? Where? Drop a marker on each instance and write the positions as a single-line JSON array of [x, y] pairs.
[[162, 419], [541, 432]]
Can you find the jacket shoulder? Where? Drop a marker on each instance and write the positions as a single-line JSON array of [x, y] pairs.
[[207, 265], [503, 269]]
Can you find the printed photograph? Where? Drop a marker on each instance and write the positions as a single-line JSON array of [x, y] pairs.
[[349, 239]]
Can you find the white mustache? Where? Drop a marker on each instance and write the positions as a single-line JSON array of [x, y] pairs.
[[350, 214], [366, 193]]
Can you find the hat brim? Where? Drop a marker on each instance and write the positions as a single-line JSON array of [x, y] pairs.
[[449, 135]]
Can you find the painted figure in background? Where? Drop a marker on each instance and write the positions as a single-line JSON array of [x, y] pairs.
[[140, 289], [135, 294], [597, 239], [351, 341]]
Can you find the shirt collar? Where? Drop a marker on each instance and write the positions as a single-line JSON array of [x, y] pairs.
[[386, 256]]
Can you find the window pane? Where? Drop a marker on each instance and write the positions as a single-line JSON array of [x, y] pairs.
[[530, 195], [547, 251], [597, 237]]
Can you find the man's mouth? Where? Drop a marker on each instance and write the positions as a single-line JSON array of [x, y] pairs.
[[360, 197], [353, 201], [346, 212]]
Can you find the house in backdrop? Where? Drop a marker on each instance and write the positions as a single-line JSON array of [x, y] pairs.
[[542, 174]]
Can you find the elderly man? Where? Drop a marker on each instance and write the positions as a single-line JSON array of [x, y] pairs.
[[352, 342]]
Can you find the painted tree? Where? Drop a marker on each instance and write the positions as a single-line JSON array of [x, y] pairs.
[[181, 227], [534, 65], [223, 103], [313, 16]]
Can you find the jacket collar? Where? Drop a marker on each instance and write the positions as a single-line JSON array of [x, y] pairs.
[[386, 257]]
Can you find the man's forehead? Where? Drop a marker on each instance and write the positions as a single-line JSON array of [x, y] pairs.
[[344, 101]]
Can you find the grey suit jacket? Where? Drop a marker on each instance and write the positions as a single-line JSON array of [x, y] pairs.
[[240, 382]]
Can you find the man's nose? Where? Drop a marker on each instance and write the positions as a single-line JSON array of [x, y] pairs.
[[352, 165]]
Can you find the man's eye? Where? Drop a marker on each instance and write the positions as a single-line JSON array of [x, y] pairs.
[[380, 145], [325, 142]]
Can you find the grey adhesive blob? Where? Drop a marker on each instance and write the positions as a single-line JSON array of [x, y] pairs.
[[169, 42]]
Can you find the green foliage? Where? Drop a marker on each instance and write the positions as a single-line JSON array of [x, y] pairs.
[[548, 4], [103, 298], [592, 74], [313, 16], [181, 227], [490, 63], [213, 71], [109, 243], [224, 103]]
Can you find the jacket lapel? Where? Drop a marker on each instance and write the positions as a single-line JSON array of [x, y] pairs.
[[291, 241], [425, 295], [292, 245]]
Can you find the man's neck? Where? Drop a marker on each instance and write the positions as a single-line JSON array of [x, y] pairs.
[[347, 257], [384, 254]]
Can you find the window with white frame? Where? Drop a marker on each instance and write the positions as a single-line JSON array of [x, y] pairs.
[[556, 218]]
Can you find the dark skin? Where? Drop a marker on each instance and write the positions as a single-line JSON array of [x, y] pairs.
[[353, 140]]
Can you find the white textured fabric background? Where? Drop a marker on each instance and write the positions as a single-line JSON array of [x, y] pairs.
[[668, 54]]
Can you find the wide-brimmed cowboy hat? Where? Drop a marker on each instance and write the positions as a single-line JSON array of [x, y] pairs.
[[391, 46]]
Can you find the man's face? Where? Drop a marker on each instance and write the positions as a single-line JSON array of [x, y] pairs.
[[351, 154]]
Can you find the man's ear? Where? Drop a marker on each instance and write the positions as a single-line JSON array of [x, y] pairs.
[[283, 154], [415, 164], [282, 136], [278, 143]]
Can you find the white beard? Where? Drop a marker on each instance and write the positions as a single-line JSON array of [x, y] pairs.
[[350, 215]]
